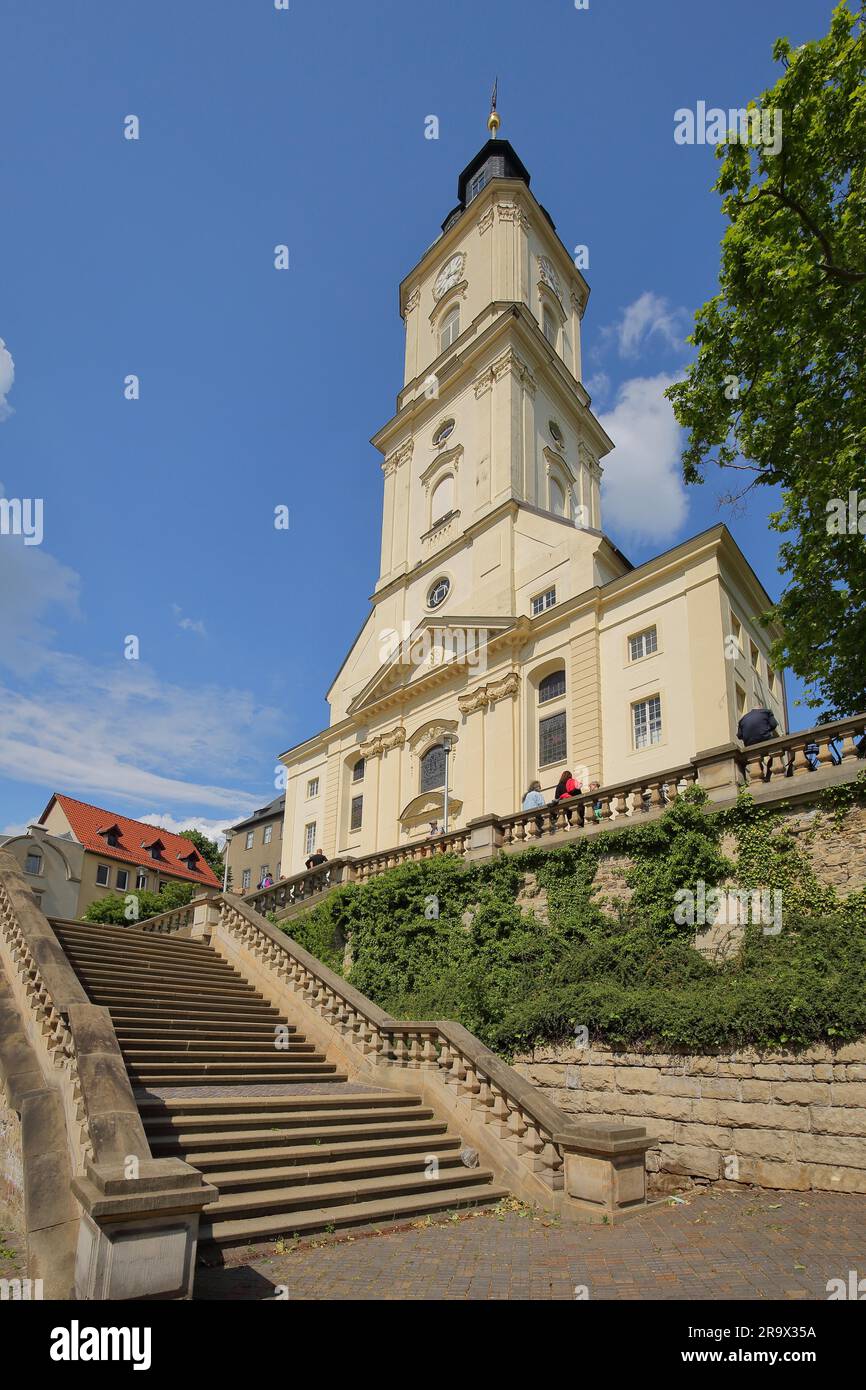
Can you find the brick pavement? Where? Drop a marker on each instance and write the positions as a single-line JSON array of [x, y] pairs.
[[717, 1245]]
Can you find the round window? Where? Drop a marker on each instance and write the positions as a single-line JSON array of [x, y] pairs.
[[443, 432], [555, 431], [439, 592]]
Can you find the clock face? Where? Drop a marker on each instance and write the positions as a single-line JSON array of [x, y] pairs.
[[448, 276]]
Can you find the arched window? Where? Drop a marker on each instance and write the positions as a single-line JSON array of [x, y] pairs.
[[433, 768], [450, 329], [358, 771], [548, 324], [551, 687], [557, 498], [442, 501]]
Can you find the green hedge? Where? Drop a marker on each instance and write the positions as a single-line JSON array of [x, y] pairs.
[[443, 939]]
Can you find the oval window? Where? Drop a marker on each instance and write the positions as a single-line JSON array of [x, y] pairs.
[[439, 592], [443, 432]]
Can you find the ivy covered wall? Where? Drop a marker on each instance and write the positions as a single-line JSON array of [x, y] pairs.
[[530, 947]]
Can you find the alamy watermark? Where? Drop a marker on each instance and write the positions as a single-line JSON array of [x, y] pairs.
[[435, 646], [22, 516], [714, 126], [718, 907]]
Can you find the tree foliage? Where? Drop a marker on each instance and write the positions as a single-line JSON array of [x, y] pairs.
[[777, 387]]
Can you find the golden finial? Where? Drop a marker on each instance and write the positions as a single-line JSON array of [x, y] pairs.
[[493, 119]]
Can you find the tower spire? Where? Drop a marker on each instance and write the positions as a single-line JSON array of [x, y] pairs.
[[493, 121]]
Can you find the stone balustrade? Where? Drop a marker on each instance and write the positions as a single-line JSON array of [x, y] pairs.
[[840, 744], [93, 1190], [839, 751], [581, 1170]]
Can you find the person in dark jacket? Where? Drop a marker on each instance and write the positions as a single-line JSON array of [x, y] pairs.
[[316, 859], [756, 726]]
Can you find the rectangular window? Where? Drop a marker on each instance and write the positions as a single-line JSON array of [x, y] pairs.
[[357, 812], [310, 837], [741, 702], [647, 721], [141, 880], [121, 880], [245, 880], [268, 832], [312, 787], [102, 875], [250, 836], [542, 601], [476, 184], [755, 657], [33, 864], [771, 679], [643, 644], [551, 740]]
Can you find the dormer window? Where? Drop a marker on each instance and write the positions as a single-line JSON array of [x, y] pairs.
[[154, 848], [111, 835], [450, 329], [190, 861]]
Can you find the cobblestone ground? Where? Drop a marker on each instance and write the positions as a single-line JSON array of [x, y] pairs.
[[715, 1245]]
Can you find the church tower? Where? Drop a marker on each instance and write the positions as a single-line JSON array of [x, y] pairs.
[[508, 638]]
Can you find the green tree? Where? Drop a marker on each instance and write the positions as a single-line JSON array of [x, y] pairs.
[[777, 389], [208, 849], [116, 906]]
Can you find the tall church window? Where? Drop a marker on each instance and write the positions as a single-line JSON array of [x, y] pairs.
[[647, 722], [548, 324], [442, 501], [557, 498], [450, 329], [433, 768], [551, 740], [358, 771], [357, 813]]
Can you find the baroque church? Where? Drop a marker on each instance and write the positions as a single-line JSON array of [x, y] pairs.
[[509, 638]]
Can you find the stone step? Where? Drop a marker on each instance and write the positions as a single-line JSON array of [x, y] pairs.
[[188, 1011], [250, 1161], [146, 973], [226, 1032], [261, 1056], [282, 1178], [187, 1144], [372, 1212], [321, 1194], [214, 1074], [152, 943], [195, 959], [199, 1047], [127, 994], [169, 1108]]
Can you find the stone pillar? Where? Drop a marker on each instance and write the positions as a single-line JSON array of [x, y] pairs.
[[720, 771], [485, 837], [605, 1170]]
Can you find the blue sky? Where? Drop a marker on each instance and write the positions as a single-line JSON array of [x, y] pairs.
[[258, 388]]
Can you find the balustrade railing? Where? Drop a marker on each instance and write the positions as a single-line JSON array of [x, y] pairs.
[[810, 750], [534, 1130]]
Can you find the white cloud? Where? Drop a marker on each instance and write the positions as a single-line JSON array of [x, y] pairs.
[[187, 623], [7, 377], [32, 582], [650, 315], [214, 829], [642, 491], [598, 386]]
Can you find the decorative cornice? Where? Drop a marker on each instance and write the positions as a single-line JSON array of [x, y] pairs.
[[430, 732], [485, 221], [555, 460], [402, 454], [488, 695], [413, 299], [508, 362], [513, 212], [380, 744], [448, 456]]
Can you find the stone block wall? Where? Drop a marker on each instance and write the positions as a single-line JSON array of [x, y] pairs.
[[11, 1167], [794, 1121]]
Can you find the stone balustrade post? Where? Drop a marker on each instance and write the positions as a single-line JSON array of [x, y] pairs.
[[485, 837]]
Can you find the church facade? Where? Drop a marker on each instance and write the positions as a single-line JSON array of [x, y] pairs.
[[505, 626]]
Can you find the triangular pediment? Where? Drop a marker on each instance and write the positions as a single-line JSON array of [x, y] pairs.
[[435, 648]]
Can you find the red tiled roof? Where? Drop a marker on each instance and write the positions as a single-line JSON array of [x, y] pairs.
[[86, 821]]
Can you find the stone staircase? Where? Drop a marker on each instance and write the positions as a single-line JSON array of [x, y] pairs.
[[223, 1080]]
